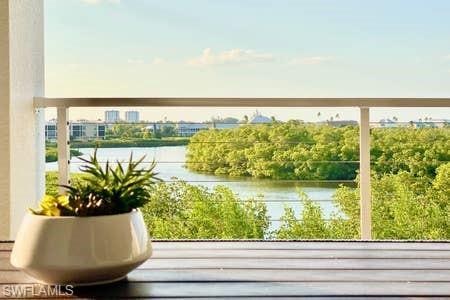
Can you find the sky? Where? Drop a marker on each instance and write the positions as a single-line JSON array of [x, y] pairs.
[[248, 48]]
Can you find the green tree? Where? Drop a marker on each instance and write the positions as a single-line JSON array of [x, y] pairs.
[[181, 210], [127, 131], [310, 225], [294, 150], [403, 207], [168, 130]]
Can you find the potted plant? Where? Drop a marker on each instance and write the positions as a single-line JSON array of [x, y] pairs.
[[95, 233]]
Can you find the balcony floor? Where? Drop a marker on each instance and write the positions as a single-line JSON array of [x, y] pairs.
[[275, 269]]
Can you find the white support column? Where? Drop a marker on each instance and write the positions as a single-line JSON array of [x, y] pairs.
[[21, 79], [364, 173], [63, 148]]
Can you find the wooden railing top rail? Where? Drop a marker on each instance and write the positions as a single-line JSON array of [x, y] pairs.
[[240, 102]]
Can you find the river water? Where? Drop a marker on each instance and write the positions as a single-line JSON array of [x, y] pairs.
[[170, 166]]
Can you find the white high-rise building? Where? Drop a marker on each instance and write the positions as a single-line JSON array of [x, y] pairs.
[[132, 116], [112, 116]]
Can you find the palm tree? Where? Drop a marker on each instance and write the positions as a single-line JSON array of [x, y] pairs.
[[337, 116]]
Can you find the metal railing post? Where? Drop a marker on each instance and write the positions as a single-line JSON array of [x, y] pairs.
[[364, 173], [63, 147]]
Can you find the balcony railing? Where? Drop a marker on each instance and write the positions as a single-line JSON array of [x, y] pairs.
[[363, 104]]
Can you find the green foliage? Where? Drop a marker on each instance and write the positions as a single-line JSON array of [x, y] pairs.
[[295, 150], [310, 225], [51, 153], [128, 131], [51, 181], [140, 131], [167, 131], [403, 207], [180, 210], [417, 151], [291, 150]]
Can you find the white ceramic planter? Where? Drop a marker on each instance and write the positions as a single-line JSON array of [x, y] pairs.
[[81, 250]]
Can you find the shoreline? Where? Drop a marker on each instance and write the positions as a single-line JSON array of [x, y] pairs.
[[51, 154], [130, 143], [116, 143]]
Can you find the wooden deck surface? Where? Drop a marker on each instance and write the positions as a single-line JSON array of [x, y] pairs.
[[273, 269]]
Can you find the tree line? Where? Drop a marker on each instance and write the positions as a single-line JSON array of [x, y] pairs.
[[294, 150]]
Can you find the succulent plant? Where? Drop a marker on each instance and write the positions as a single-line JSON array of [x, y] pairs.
[[53, 206], [105, 190]]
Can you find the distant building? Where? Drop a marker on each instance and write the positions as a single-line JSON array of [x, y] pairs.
[[430, 123], [112, 116], [78, 130], [87, 130], [51, 131], [189, 129], [258, 118], [132, 116]]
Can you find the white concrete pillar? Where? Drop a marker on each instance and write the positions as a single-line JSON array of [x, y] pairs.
[[21, 126]]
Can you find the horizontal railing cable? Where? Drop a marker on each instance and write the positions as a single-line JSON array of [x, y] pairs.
[[324, 122], [278, 180], [337, 123], [269, 161], [240, 143], [206, 162]]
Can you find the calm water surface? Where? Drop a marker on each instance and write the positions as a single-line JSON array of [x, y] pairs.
[[170, 166]]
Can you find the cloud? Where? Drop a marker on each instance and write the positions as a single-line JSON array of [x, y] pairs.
[[447, 57], [311, 60], [94, 2], [233, 56]]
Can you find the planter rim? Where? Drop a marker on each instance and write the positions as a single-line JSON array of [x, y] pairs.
[[134, 211]]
